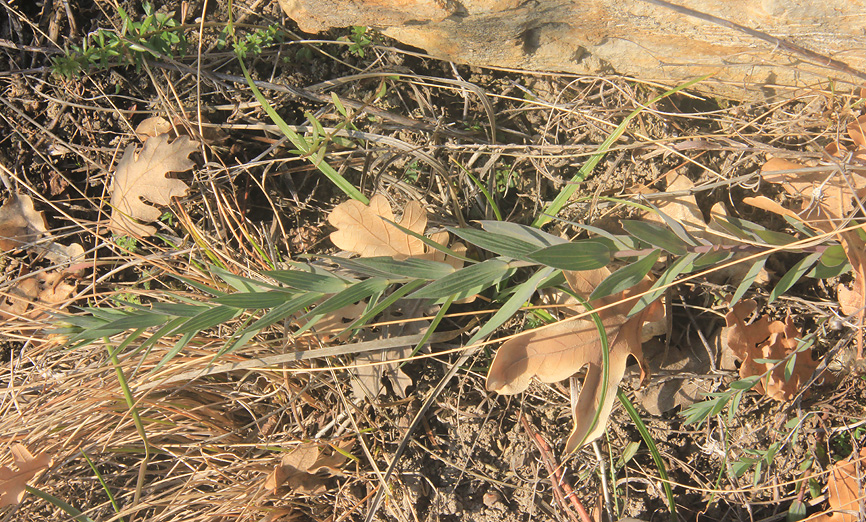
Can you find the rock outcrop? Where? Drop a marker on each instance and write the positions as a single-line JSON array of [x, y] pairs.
[[637, 38]]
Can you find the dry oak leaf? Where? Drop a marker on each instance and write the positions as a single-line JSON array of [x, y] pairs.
[[771, 340], [362, 230], [558, 351], [13, 483], [845, 490], [22, 226], [298, 470], [142, 176], [34, 295]]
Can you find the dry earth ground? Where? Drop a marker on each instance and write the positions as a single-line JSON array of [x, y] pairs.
[[254, 205]]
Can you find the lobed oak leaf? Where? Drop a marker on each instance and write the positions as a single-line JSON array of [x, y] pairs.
[[361, 229], [13, 483], [558, 351], [298, 470], [142, 176], [767, 340], [845, 489]]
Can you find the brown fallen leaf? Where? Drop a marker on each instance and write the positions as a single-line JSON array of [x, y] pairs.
[[361, 229], [845, 490], [771, 340], [142, 176], [558, 351], [23, 227], [13, 483], [297, 470], [34, 295], [827, 197]]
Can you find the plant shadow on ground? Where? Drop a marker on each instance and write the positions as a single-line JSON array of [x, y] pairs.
[[415, 130]]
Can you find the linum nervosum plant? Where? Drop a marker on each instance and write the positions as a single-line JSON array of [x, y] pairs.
[[622, 300], [606, 272]]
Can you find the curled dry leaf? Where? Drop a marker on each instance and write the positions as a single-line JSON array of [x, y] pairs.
[[23, 227], [299, 470], [845, 489], [767, 340], [34, 295], [558, 351], [13, 483], [140, 182]]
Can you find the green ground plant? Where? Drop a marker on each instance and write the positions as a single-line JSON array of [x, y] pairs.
[[158, 35]]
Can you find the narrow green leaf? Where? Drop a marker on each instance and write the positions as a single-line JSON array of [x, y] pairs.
[[616, 242], [429, 242], [746, 383], [713, 257], [682, 265], [537, 237], [822, 271], [177, 309], [283, 311], [306, 281], [626, 277], [300, 142], [373, 311], [789, 366], [208, 319], [628, 453], [136, 320], [487, 196], [199, 286], [350, 295], [656, 236], [254, 300], [77, 516], [735, 405], [775, 238], [356, 266], [834, 255], [501, 244], [178, 346], [676, 227], [798, 510], [411, 267], [521, 294], [738, 227], [586, 254], [239, 283], [466, 281], [654, 451], [793, 275], [749, 278]]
